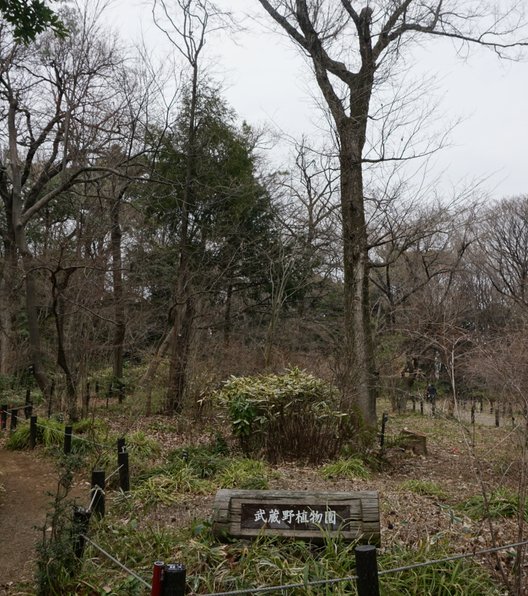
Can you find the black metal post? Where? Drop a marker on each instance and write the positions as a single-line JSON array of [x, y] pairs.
[[50, 403], [473, 414], [384, 420], [173, 580], [81, 521], [124, 473], [14, 419], [68, 431], [32, 432], [97, 495], [3, 417], [367, 570], [28, 406], [121, 445]]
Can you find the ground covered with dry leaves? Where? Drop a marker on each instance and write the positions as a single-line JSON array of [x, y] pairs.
[[425, 500]]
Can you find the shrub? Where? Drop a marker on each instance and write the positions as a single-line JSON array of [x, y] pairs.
[[294, 415], [501, 503], [50, 434], [427, 488], [246, 474], [346, 468]]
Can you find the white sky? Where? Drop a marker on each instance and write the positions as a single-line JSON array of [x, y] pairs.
[[267, 82]]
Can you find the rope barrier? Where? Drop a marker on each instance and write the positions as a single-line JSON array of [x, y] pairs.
[[477, 553], [75, 437], [318, 582], [383, 572], [114, 473], [118, 563]]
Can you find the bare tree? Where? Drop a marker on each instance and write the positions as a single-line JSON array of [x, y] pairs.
[[60, 109], [351, 51]]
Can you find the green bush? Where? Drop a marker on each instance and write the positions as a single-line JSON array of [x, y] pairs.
[[346, 468], [294, 415], [246, 474], [50, 434], [501, 503], [427, 488]]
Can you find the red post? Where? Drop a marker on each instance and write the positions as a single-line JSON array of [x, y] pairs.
[[157, 578]]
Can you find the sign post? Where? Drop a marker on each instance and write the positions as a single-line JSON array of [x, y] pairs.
[[295, 514]]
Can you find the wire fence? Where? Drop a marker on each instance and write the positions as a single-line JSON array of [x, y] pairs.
[[322, 582], [78, 437], [471, 411]]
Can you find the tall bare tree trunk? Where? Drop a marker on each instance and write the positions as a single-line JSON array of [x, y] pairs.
[[359, 353], [184, 307], [7, 281], [117, 279], [25, 254], [59, 313]]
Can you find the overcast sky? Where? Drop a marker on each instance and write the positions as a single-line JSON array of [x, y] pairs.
[[267, 82]]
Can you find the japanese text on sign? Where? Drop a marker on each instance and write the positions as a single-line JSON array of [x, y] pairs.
[[294, 516]]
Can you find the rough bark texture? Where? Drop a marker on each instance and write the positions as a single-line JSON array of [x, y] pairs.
[[117, 280]]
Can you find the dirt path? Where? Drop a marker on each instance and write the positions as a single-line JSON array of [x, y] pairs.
[[27, 480]]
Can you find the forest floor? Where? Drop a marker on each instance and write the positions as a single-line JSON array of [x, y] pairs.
[[419, 494]]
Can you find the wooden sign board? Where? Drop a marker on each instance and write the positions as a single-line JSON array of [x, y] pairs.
[[297, 514]]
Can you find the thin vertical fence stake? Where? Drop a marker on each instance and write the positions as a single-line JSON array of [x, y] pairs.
[[68, 431], [124, 474], [367, 570], [32, 432], [157, 578], [3, 417], [173, 580], [384, 420], [121, 445], [50, 402], [28, 410], [421, 406], [497, 417], [97, 495], [473, 414], [122, 464], [14, 419], [28, 406], [81, 521]]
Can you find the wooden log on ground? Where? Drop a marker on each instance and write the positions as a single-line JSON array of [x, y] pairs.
[[297, 514]]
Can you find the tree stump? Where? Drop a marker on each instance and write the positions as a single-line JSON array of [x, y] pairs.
[[416, 442]]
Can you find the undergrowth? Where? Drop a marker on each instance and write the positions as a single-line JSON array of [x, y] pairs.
[[348, 468], [427, 488], [199, 470], [213, 566], [500, 503]]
